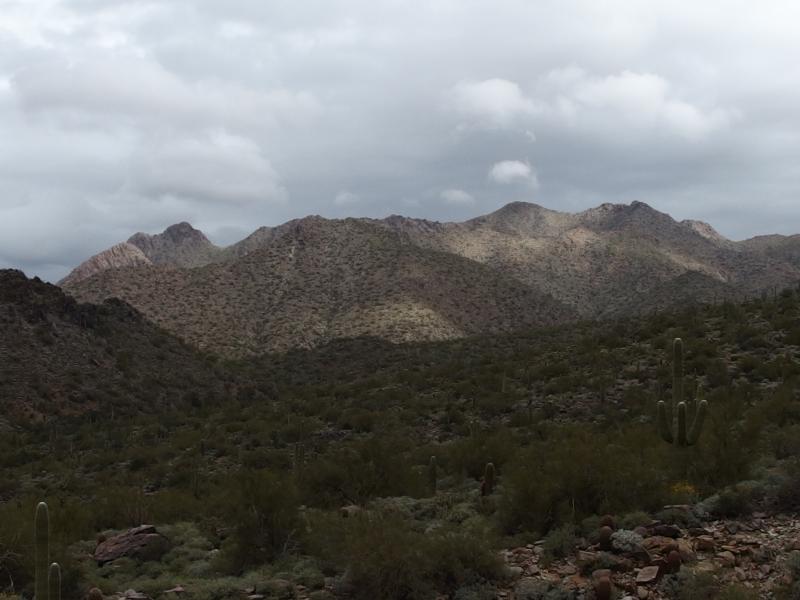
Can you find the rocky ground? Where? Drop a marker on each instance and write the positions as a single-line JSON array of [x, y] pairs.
[[749, 552]]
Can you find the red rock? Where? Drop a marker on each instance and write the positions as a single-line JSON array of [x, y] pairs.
[[685, 550], [659, 544], [647, 575], [727, 559], [704, 543], [142, 543]]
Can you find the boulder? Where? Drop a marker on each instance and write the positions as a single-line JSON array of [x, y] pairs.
[[658, 544], [687, 553], [142, 543], [350, 511], [727, 559], [647, 575], [665, 530], [705, 543]]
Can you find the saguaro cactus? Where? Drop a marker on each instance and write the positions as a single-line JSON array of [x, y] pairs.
[[685, 436], [47, 583], [54, 581], [487, 485], [433, 475], [41, 551], [299, 459]]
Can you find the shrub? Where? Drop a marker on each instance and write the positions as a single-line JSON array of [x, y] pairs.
[[537, 589], [786, 496], [580, 472], [624, 540], [262, 508], [737, 592], [734, 501], [385, 557], [376, 467], [687, 585], [560, 542]]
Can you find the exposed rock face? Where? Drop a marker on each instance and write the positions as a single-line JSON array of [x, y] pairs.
[[180, 245], [402, 279], [117, 257], [142, 543], [707, 231]]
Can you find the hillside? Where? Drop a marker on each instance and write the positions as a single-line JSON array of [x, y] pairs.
[[322, 280], [312, 280], [59, 357], [347, 430]]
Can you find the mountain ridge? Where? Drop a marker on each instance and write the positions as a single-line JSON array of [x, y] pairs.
[[313, 279]]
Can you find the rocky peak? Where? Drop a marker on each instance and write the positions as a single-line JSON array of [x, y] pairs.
[[705, 230], [179, 245], [116, 257], [524, 219], [410, 226], [184, 231], [636, 216]]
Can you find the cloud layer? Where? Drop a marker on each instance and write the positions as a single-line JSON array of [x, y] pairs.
[[118, 116]]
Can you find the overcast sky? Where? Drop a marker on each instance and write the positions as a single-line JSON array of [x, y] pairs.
[[129, 115]]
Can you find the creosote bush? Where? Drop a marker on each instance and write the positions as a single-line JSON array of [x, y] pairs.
[[577, 473], [385, 556], [263, 511]]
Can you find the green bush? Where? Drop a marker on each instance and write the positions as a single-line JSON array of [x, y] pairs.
[[384, 556], [687, 585], [560, 542], [262, 509], [579, 472]]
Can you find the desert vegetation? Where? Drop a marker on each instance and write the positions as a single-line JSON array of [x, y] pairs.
[[310, 474]]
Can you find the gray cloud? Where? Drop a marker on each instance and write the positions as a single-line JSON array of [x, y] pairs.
[[117, 116]]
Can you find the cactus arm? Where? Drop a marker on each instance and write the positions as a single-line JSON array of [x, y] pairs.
[[41, 551], [677, 372], [682, 441], [54, 581], [664, 426], [699, 419]]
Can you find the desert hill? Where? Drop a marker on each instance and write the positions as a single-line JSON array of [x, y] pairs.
[[59, 357], [402, 279]]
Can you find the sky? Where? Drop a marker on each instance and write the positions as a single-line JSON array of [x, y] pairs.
[[118, 116]]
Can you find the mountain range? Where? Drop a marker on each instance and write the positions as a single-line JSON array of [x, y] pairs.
[[312, 280]]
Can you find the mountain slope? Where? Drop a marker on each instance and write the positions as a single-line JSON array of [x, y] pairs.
[[58, 357], [321, 280], [402, 279]]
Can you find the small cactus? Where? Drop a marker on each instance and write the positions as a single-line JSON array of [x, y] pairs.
[[674, 561], [604, 538], [607, 521], [54, 581], [487, 486], [299, 459], [603, 588], [94, 594], [433, 475], [41, 551], [684, 436]]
